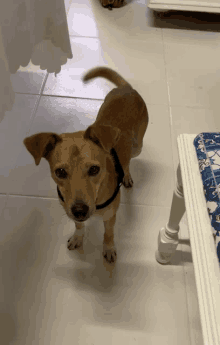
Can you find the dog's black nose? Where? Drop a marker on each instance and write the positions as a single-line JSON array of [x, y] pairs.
[[80, 210]]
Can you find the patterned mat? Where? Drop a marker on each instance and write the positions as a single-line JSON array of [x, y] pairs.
[[208, 153]]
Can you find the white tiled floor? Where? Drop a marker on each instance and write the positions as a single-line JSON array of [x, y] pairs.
[[50, 295]]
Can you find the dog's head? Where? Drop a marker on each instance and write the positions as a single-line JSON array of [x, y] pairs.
[[79, 163]]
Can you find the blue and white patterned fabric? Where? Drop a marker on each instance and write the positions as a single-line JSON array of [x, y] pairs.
[[208, 153]]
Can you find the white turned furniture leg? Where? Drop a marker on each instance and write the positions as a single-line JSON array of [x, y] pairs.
[[168, 235]]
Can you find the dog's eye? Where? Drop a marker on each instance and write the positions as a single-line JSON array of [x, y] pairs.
[[94, 170], [61, 173]]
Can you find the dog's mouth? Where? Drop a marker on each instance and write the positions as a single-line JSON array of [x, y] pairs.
[[77, 220], [79, 212]]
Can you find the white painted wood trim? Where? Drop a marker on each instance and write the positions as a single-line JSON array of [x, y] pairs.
[[165, 5], [187, 3], [206, 266]]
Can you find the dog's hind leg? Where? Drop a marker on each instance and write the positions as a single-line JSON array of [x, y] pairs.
[[127, 180]]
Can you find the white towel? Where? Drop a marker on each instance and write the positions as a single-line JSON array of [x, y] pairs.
[[31, 30]]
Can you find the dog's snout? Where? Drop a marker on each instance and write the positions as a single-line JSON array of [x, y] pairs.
[[80, 210]]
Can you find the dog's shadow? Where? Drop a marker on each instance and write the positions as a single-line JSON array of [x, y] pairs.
[[87, 265], [88, 270]]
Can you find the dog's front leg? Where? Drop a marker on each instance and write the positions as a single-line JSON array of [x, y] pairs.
[[109, 251], [76, 240]]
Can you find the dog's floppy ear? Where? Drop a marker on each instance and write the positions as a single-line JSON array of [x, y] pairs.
[[39, 145], [103, 135]]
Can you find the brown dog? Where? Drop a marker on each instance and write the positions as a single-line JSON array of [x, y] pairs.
[[89, 166]]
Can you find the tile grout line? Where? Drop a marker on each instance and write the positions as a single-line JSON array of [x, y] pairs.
[[102, 99], [168, 93], [56, 198], [174, 168], [71, 97], [43, 84]]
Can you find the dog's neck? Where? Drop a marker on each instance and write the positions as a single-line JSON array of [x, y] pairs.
[[107, 198]]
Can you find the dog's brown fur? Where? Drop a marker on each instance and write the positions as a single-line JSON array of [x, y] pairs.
[[121, 124], [112, 3]]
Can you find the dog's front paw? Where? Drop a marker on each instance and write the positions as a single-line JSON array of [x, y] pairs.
[[75, 242], [109, 254], [127, 181]]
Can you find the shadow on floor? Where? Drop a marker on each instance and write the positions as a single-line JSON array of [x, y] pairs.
[[186, 20]]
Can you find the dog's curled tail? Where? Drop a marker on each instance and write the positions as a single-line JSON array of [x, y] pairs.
[[107, 73]]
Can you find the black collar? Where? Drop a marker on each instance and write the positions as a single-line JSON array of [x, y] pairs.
[[120, 173]]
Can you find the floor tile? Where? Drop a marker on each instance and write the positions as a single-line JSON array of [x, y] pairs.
[[140, 62], [13, 129], [87, 53], [192, 68], [81, 19], [3, 201], [29, 79], [90, 19], [142, 298]]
